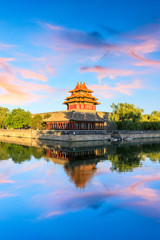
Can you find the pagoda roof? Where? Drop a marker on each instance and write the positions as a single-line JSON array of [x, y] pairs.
[[76, 95], [65, 116], [81, 94], [81, 100], [81, 87]]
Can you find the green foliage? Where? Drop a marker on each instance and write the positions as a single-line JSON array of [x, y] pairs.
[[4, 113], [47, 115], [19, 118], [126, 111], [37, 122], [127, 125], [128, 117]]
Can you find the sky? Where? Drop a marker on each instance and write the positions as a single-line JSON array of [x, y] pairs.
[[46, 47]]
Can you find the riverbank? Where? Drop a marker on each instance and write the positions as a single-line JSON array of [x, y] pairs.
[[74, 136]]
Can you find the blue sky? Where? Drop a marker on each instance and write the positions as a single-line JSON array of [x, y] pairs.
[[46, 47]]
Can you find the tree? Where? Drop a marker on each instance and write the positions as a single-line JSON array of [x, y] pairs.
[[126, 111], [4, 113], [19, 118], [37, 122], [47, 115]]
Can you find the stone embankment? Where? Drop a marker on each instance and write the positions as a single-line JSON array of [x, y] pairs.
[[67, 135]]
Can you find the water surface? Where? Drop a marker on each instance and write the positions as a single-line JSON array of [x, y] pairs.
[[80, 191]]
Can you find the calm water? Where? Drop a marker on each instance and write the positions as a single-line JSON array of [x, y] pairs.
[[80, 191]]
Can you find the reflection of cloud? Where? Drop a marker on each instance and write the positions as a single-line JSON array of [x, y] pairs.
[[2, 195], [140, 190], [136, 194], [65, 202], [28, 166]]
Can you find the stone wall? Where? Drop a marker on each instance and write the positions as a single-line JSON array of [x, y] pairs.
[[92, 135]]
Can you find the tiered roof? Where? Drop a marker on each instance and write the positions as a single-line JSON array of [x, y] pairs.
[[81, 94], [66, 116]]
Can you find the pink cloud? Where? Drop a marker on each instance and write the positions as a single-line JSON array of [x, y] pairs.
[[19, 92], [72, 40], [53, 27], [135, 46], [144, 61], [31, 75], [147, 45], [6, 181], [54, 213], [104, 72], [108, 92], [5, 45], [6, 59], [50, 69]]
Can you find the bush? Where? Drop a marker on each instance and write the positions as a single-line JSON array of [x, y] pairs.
[[19, 118], [37, 122]]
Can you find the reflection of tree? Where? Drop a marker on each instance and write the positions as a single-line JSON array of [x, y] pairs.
[[4, 155], [19, 153], [126, 158], [81, 164], [153, 152], [37, 152]]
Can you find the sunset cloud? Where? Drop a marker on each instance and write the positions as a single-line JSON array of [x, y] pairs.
[[50, 69], [64, 39], [133, 45], [16, 91], [2, 45], [108, 92], [143, 49], [104, 72], [31, 75]]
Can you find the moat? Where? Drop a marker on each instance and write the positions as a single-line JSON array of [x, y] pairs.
[[53, 190]]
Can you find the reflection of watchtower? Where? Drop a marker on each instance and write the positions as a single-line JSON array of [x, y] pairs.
[[53, 153], [79, 164], [81, 174]]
